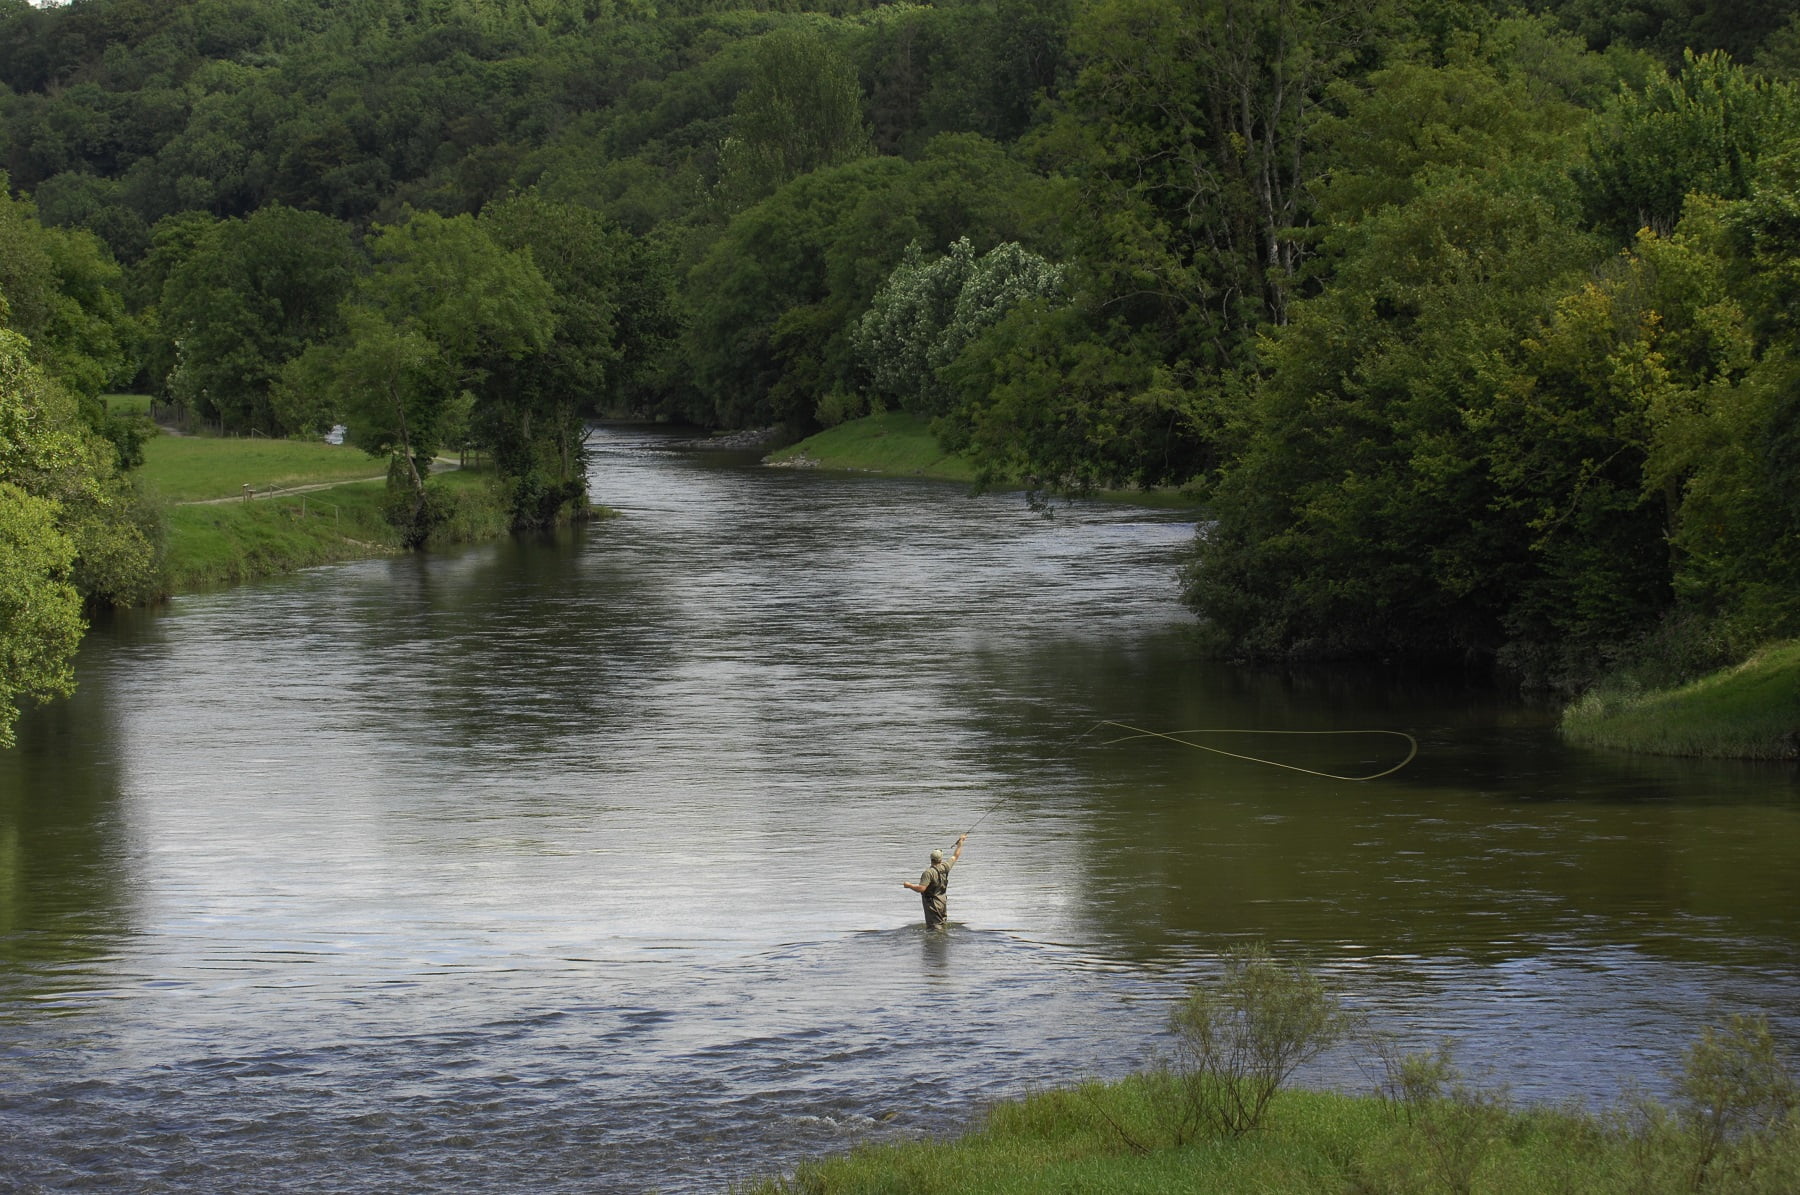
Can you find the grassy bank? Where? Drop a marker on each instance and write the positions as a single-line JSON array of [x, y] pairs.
[[203, 468], [1216, 1116], [224, 543], [308, 503], [1103, 1138], [1751, 711], [899, 444], [893, 443]]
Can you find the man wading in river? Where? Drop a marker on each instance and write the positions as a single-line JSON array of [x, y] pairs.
[[933, 883]]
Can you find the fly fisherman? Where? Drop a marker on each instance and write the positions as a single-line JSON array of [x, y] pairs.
[[933, 883]]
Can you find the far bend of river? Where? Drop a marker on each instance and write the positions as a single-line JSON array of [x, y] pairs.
[[576, 866]]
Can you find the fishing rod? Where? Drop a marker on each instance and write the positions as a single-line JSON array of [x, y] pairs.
[[990, 812]]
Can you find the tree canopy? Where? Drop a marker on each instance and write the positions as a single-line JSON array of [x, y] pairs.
[[1472, 323]]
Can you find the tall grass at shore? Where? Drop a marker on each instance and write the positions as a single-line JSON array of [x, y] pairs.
[[1750, 711]]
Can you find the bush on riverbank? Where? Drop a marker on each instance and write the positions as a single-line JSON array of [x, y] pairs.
[[1750, 711]]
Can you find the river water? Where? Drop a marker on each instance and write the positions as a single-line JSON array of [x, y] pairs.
[[575, 865]]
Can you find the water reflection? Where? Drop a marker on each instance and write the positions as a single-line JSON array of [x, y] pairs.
[[62, 845]]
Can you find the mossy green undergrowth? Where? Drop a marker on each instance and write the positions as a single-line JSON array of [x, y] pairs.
[[1751, 711]]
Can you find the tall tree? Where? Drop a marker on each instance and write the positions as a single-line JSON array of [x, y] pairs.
[[927, 312], [535, 426], [444, 305], [1699, 130], [63, 294], [803, 110], [252, 295], [1360, 514], [1189, 128]]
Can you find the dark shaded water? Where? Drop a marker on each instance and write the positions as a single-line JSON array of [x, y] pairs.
[[576, 866]]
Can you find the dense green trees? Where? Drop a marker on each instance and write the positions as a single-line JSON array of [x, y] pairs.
[[1484, 438], [801, 111], [72, 531], [249, 296], [429, 334], [40, 612], [1473, 324]]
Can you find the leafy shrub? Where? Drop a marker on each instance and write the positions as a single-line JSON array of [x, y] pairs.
[[1733, 1083], [1451, 1126], [1237, 1042]]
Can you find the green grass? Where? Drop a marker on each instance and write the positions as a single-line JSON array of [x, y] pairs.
[[219, 544], [289, 524], [211, 544], [200, 468], [894, 442], [1075, 1140], [1751, 711]]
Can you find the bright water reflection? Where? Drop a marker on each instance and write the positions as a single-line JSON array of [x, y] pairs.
[[576, 866]]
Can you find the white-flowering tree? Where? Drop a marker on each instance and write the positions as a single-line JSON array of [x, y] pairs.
[[928, 312]]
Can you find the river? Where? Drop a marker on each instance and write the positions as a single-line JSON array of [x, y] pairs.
[[575, 865]]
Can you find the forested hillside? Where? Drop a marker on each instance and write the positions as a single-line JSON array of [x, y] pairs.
[[1472, 322]]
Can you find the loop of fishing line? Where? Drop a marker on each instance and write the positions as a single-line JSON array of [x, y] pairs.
[[1173, 736]]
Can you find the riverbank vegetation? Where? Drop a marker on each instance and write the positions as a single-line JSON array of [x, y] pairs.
[[213, 543], [1465, 1139], [233, 509], [892, 442], [1471, 322], [899, 444], [1217, 1116], [1748, 711]]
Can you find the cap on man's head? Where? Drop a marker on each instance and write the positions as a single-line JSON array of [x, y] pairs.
[[937, 856]]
